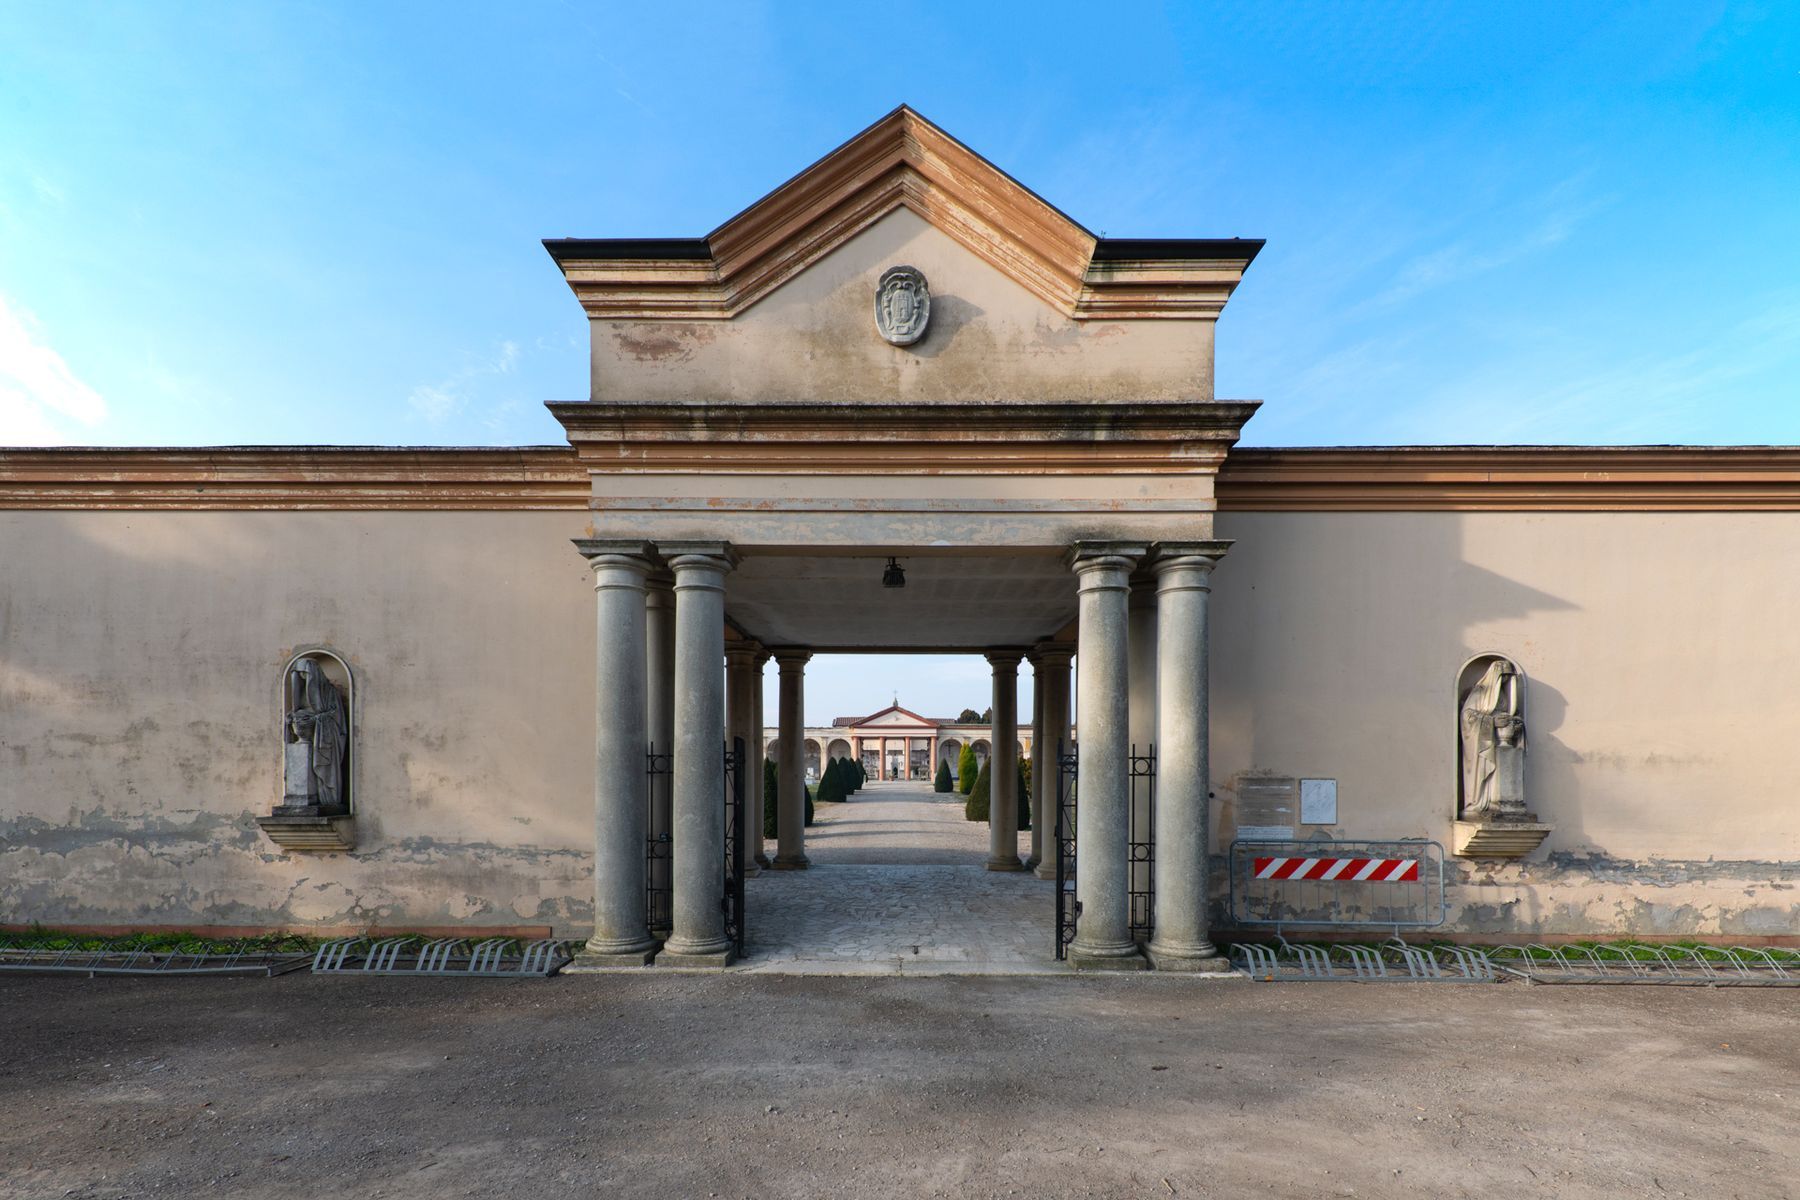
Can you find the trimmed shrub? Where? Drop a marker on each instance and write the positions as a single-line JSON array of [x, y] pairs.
[[1024, 794], [809, 804], [966, 770], [975, 808], [943, 782], [831, 784]]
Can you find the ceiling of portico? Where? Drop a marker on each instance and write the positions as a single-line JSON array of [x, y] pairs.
[[948, 603]]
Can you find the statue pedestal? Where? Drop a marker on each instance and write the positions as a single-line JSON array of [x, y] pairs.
[[1497, 839], [314, 832]]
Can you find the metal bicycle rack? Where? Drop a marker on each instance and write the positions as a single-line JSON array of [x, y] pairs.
[[62, 954], [496, 958], [1632, 963], [1392, 961]]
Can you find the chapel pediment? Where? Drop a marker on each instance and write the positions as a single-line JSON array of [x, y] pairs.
[[902, 161]]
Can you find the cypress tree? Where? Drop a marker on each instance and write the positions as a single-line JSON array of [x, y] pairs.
[[1024, 794], [943, 782], [975, 808], [770, 802], [966, 770]]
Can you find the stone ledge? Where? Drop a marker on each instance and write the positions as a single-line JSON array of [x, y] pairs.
[[1496, 839], [302, 834]]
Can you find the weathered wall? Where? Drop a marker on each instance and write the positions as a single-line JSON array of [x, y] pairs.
[[989, 339], [138, 708], [1662, 699], [139, 655]]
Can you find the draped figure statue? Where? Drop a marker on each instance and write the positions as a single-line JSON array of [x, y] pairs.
[[317, 732], [1493, 745]]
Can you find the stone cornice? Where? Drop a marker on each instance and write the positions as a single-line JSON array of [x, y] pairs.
[[1512, 479], [932, 437], [1364, 479], [294, 477], [901, 161]]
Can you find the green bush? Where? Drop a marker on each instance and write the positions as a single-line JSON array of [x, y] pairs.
[[809, 804], [943, 782], [966, 770], [831, 783], [771, 792], [975, 808], [1024, 794]]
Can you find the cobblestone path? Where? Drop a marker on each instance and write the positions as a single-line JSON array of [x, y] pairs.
[[898, 886]]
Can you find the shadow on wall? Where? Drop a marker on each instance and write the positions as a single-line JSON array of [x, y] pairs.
[[1336, 641]]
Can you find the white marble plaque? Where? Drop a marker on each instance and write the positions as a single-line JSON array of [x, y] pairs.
[[1318, 802]]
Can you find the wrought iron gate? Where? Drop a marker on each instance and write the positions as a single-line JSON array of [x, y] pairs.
[[1140, 845], [1140, 848], [659, 864], [733, 902], [1067, 907]]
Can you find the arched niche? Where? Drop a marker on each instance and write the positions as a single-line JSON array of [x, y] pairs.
[[318, 734], [839, 748], [950, 751], [1492, 721]]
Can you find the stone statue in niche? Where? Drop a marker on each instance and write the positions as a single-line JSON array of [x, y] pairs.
[[1493, 745], [316, 730], [902, 305]]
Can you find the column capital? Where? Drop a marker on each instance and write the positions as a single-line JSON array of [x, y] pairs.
[[741, 656], [1004, 660], [1054, 654], [1165, 554], [791, 660], [687, 558], [1113, 556], [618, 552]]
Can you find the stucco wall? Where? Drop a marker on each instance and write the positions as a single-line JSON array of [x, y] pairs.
[[1662, 699], [139, 655], [988, 339]]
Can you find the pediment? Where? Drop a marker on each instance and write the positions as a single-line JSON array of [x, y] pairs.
[[894, 715], [905, 162]]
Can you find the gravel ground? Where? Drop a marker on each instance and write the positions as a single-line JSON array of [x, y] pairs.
[[769, 1086]]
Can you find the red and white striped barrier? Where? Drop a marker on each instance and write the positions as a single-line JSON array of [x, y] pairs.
[[1346, 870]]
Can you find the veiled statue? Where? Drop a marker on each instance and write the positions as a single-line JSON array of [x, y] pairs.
[[316, 729], [1493, 744]]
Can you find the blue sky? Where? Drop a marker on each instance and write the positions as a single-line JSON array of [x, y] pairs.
[[227, 223]]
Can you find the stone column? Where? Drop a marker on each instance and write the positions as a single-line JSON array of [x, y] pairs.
[[740, 718], [790, 805], [698, 937], [1183, 581], [1037, 762], [659, 689], [621, 800], [1053, 665], [757, 798], [1003, 766], [1103, 931]]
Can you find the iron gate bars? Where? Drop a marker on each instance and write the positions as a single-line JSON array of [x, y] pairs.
[[733, 900], [1140, 845], [659, 850], [1338, 884], [1067, 907]]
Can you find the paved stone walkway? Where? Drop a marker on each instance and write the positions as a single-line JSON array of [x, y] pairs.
[[898, 886]]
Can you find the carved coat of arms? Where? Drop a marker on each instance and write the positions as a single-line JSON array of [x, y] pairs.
[[902, 305]]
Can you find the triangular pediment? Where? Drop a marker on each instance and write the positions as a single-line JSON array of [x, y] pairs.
[[901, 161], [895, 715]]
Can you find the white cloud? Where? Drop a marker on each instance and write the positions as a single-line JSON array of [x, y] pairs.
[[437, 402], [42, 401]]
